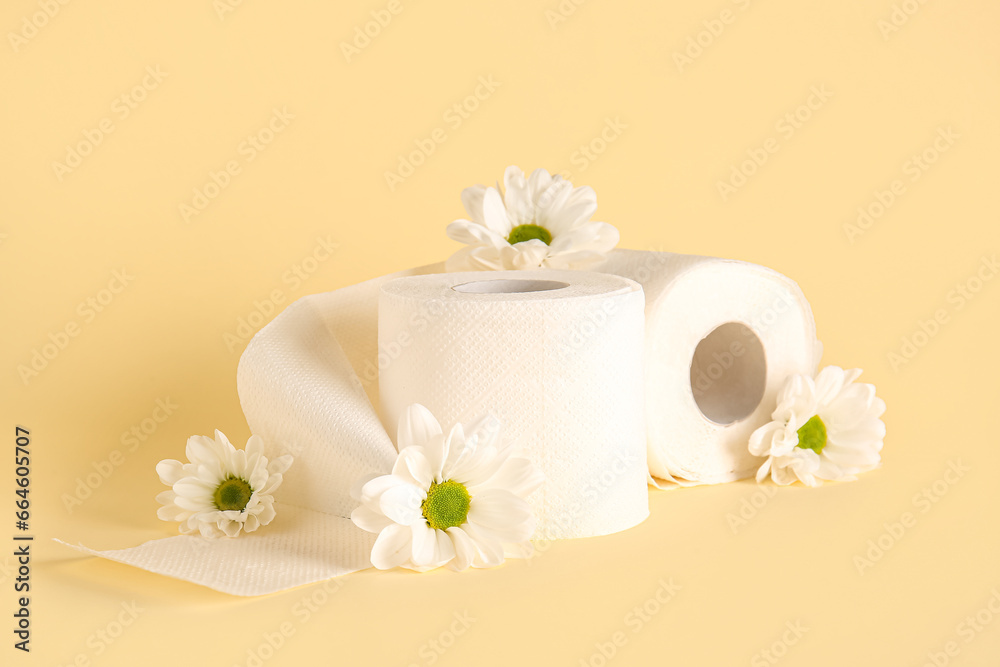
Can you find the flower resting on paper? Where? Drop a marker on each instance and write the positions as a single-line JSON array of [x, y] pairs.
[[453, 499], [223, 490], [540, 222], [823, 429]]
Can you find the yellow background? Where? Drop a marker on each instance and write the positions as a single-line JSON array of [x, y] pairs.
[[164, 335]]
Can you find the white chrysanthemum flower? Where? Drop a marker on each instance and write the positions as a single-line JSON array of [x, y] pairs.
[[223, 490], [541, 222], [827, 429], [452, 499]]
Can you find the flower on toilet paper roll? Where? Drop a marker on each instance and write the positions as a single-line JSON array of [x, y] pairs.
[[222, 490], [540, 222], [823, 429], [453, 499]]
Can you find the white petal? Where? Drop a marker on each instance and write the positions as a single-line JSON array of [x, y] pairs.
[[465, 549], [230, 528], [599, 237], [515, 474], [169, 471], [402, 504], [494, 213], [194, 489], [538, 182], [763, 470], [280, 465], [829, 382], [424, 551], [456, 450], [525, 255], [504, 515], [570, 217], [371, 492], [550, 202], [472, 200], [412, 466], [489, 550], [392, 547], [436, 452], [267, 514], [517, 198], [202, 449], [369, 520], [472, 233], [483, 257], [254, 446], [251, 524], [416, 427]]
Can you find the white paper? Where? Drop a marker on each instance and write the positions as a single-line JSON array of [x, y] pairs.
[[687, 299], [559, 366]]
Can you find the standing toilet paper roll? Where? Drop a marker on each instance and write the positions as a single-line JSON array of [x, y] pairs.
[[721, 337], [556, 356]]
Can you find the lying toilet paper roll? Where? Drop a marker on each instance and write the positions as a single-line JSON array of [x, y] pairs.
[[556, 356], [721, 337]]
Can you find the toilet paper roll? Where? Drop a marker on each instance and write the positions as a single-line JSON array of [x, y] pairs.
[[721, 337], [556, 356]]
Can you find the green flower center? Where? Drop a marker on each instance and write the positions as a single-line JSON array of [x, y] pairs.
[[233, 494], [528, 232], [812, 435], [447, 505]]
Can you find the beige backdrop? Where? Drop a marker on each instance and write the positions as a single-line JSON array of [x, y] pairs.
[[173, 174]]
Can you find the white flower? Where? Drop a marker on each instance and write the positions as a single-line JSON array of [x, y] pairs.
[[455, 499], [827, 429], [223, 489], [541, 222]]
